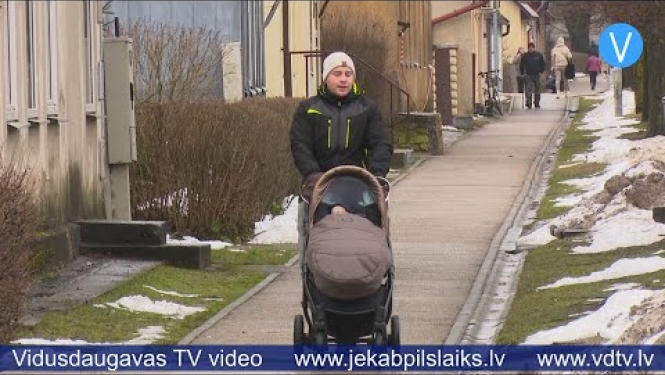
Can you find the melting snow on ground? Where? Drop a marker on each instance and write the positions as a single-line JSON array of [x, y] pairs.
[[611, 223], [140, 303], [631, 228], [170, 292], [620, 268], [146, 335], [619, 225], [188, 240], [279, 229], [271, 229], [609, 322]]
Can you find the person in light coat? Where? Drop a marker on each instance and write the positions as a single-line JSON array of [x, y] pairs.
[[518, 75], [561, 56]]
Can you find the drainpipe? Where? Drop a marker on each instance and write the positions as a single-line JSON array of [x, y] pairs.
[[491, 37], [457, 12], [507, 32], [288, 85], [497, 44]]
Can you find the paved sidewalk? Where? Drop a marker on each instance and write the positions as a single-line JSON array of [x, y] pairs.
[[445, 216]]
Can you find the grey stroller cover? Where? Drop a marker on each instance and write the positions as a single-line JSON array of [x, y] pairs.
[[348, 254]]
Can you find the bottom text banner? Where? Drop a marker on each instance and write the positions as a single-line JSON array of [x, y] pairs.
[[31, 358]]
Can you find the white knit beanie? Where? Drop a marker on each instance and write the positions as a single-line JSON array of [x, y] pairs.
[[335, 60]]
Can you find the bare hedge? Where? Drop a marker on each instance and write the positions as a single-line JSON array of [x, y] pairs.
[[212, 169], [18, 225]]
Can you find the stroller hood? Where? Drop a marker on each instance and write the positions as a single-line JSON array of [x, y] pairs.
[[360, 173]]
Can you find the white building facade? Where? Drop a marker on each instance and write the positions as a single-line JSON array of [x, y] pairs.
[[51, 99]]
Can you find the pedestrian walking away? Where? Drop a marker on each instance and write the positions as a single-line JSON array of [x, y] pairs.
[[532, 65], [338, 126], [561, 58], [593, 67]]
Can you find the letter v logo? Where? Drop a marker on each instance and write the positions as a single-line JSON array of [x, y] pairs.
[[620, 45], [622, 54]]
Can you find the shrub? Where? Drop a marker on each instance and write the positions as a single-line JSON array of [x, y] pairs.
[[18, 223], [212, 169]]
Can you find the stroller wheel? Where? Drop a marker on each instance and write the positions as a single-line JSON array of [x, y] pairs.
[[394, 338], [299, 330], [321, 338], [379, 339]]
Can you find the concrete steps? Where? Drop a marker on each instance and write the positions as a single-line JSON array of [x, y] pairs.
[[139, 239]]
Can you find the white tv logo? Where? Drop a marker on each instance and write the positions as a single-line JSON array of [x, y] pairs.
[[621, 55]]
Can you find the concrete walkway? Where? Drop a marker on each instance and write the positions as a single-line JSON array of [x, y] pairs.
[[445, 216]]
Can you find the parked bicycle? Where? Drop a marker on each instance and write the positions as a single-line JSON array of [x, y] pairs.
[[491, 92]]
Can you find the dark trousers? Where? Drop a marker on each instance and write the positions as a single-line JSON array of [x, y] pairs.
[[532, 88], [592, 78]]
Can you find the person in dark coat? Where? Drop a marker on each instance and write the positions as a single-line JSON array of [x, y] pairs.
[[532, 65], [338, 126]]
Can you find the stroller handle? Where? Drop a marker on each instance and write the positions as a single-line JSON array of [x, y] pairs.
[[302, 196], [384, 182]]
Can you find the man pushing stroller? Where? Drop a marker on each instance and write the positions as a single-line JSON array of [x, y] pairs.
[[338, 126]]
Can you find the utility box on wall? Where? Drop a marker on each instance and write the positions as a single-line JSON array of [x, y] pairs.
[[119, 83]]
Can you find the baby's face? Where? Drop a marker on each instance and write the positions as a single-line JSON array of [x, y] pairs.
[[339, 210]]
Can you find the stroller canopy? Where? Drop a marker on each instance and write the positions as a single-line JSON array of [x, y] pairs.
[[353, 188]]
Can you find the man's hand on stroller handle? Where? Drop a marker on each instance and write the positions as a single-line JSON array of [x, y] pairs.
[[385, 184], [307, 188]]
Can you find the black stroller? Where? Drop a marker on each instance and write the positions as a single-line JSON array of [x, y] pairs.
[[348, 275]]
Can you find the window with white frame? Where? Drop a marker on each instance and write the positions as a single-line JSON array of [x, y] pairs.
[[31, 54], [51, 58], [11, 73], [89, 60]]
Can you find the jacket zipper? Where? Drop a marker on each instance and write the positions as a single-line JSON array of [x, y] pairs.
[[329, 133], [348, 130], [338, 140]]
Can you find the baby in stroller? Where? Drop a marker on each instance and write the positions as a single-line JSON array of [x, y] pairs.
[[348, 271]]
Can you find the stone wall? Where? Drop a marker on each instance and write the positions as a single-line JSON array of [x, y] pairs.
[[421, 132]]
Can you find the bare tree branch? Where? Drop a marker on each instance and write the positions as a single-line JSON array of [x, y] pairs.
[[177, 63]]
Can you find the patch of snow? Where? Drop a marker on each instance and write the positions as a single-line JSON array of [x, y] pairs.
[[170, 292], [189, 240], [145, 336], [653, 339], [139, 303], [630, 228], [563, 166], [278, 229], [608, 322], [622, 286], [451, 129], [618, 269]]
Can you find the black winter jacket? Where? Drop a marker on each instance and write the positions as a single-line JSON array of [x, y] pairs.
[[328, 132], [532, 63]]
